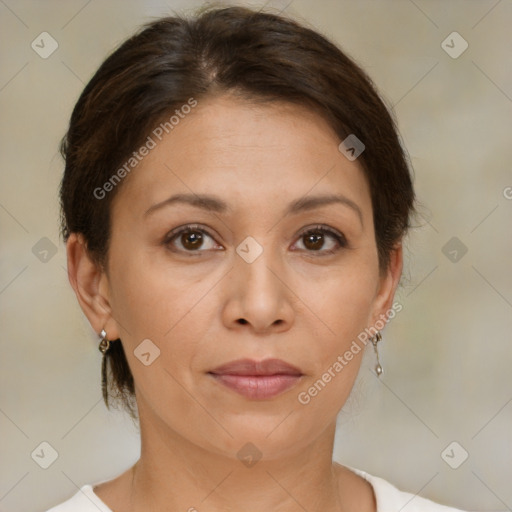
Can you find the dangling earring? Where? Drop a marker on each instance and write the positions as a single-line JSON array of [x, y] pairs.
[[375, 339], [103, 347], [104, 343]]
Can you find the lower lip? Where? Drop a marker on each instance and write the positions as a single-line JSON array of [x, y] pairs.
[[258, 386]]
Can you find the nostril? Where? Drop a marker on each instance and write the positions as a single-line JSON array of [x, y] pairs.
[[242, 320]]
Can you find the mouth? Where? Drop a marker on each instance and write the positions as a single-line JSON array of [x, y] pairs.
[[257, 379]]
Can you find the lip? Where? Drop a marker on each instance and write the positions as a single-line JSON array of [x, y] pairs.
[[257, 379]]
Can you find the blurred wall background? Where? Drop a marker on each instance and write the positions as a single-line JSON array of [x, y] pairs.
[[447, 387]]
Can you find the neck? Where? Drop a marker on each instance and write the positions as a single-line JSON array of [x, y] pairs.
[[174, 474]]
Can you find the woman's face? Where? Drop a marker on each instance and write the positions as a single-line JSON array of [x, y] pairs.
[[244, 283]]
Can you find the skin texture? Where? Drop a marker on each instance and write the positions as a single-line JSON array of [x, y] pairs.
[[302, 305]]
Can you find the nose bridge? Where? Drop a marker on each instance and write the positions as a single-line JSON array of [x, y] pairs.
[[257, 262]]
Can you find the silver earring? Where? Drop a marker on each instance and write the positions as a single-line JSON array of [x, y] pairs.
[[375, 339], [104, 343]]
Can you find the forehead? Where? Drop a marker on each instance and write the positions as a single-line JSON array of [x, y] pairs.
[[247, 152]]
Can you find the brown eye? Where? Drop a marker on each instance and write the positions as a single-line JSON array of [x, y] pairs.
[[189, 239], [315, 239]]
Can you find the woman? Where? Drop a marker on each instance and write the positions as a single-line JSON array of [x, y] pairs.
[[234, 202]]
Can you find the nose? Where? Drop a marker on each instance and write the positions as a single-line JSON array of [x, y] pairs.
[[258, 296]]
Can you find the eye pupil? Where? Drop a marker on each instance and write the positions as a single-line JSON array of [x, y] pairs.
[[192, 239], [314, 241]]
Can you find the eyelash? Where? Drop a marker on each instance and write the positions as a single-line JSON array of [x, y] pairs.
[[319, 229]]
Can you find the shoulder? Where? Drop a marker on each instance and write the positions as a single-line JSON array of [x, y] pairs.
[[84, 500], [391, 499]]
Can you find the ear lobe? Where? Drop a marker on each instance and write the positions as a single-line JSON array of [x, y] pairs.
[[388, 284], [87, 278]]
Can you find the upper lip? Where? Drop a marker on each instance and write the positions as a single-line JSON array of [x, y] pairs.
[[252, 367]]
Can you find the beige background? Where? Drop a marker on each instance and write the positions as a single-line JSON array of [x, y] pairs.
[[447, 356]]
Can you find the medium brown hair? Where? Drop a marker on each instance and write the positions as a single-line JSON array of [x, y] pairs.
[[258, 56]]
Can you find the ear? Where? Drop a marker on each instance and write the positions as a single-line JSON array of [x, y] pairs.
[[91, 286], [387, 286]]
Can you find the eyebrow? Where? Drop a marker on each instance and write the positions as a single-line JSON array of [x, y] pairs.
[[217, 205]]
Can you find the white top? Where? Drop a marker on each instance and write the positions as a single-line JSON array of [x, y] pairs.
[[388, 497]]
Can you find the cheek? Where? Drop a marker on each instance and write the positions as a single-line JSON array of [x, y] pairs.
[[342, 309], [148, 305], [159, 304], [343, 302], [148, 299]]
